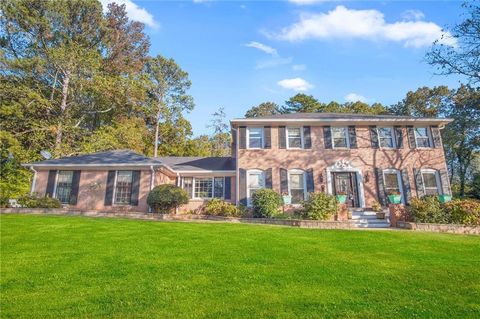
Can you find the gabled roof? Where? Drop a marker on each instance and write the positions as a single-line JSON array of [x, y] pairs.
[[199, 164], [340, 118], [107, 158]]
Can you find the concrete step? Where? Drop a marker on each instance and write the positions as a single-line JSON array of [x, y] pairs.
[[377, 225]]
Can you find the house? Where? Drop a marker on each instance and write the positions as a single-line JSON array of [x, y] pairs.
[[364, 156]]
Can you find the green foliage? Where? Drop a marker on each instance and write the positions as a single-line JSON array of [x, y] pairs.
[[263, 109], [428, 209], [376, 206], [424, 102], [465, 211], [164, 198], [266, 203], [301, 103], [218, 207], [320, 206], [34, 201]]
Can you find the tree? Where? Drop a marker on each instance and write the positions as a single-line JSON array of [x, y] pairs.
[[263, 109], [458, 54], [301, 103], [424, 102], [221, 138], [167, 87]]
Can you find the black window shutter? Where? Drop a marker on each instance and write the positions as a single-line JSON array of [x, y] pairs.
[[398, 133], [282, 140], [418, 182], [352, 136], [268, 178], [135, 188], [75, 187], [109, 190], [242, 191], [52, 177], [267, 136], [382, 198], [445, 182], [283, 181], [327, 136], [436, 137], [407, 190], [374, 136], [307, 139], [227, 188], [243, 137], [234, 144], [310, 181], [411, 137]]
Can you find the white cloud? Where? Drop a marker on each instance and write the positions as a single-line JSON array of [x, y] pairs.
[[299, 67], [354, 97], [296, 84], [413, 15], [134, 12], [363, 24], [262, 47]]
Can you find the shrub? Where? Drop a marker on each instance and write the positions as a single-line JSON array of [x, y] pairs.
[[376, 206], [218, 207], [266, 203], [463, 211], [428, 209], [33, 201], [320, 206], [164, 198]]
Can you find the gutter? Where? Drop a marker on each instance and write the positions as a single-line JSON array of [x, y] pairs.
[[34, 180]]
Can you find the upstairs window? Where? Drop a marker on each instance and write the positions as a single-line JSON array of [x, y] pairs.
[[422, 137], [64, 186], [430, 182], [255, 137], [294, 137], [123, 188], [385, 136], [340, 137]]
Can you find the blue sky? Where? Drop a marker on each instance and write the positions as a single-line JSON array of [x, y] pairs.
[[242, 53]]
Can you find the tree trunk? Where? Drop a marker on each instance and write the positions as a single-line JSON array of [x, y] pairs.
[[157, 129], [63, 107]]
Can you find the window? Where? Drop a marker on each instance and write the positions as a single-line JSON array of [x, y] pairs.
[[294, 137], [64, 186], [430, 182], [340, 137], [255, 137], [296, 186], [188, 186], [422, 137], [385, 135], [218, 187], [391, 179], [255, 181], [203, 187], [123, 188]]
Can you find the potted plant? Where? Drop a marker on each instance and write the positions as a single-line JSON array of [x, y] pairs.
[[394, 197], [341, 197], [287, 199], [444, 198], [377, 208]]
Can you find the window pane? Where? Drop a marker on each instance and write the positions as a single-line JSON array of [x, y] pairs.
[[64, 186], [423, 142], [386, 136], [123, 189], [203, 187], [255, 136], [295, 142], [297, 196], [296, 181], [218, 187], [421, 132], [386, 142], [429, 180], [385, 132], [391, 181], [294, 132], [339, 136], [255, 180], [188, 185], [255, 143], [421, 137]]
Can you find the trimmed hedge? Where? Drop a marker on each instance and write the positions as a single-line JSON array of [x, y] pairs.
[[465, 211], [218, 207], [33, 201], [266, 203], [165, 198], [320, 206]]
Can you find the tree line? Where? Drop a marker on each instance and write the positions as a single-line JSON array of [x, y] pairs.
[[75, 79]]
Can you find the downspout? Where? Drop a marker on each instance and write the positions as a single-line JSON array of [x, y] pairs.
[[152, 183], [237, 183], [34, 180], [178, 184]]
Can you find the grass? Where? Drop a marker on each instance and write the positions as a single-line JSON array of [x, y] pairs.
[[55, 267]]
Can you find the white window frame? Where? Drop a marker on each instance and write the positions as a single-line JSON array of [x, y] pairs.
[[399, 180], [347, 137], [262, 130], [295, 172], [302, 140], [194, 194], [114, 199], [437, 180], [394, 142], [253, 171], [56, 183], [429, 135]]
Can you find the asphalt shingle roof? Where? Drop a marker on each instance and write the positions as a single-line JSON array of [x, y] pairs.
[[199, 163]]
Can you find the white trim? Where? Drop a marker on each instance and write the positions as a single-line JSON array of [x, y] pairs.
[[54, 193], [344, 120], [262, 130], [335, 169], [297, 171], [194, 197], [253, 171], [437, 180], [34, 180], [347, 137], [399, 181], [429, 136], [114, 189], [205, 171], [302, 140], [394, 142]]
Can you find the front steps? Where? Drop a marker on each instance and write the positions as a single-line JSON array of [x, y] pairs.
[[368, 219]]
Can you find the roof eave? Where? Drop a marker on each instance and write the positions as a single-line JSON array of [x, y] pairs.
[[438, 121]]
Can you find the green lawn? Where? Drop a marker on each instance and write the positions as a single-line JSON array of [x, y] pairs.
[[53, 267]]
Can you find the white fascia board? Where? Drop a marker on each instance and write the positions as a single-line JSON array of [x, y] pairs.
[[404, 121]]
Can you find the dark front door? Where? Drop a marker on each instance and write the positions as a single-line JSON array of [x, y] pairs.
[[346, 183]]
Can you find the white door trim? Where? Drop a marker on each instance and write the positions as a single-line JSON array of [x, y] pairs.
[[347, 168]]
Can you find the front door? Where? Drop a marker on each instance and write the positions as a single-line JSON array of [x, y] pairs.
[[346, 183]]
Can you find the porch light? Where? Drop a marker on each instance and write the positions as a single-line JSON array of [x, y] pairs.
[[367, 177]]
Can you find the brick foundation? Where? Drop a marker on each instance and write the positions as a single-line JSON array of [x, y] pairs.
[[398, 212]]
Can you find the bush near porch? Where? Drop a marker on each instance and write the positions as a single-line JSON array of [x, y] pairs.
[[164, 198]]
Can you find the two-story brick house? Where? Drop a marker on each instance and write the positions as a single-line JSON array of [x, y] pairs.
[[365, 156]]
